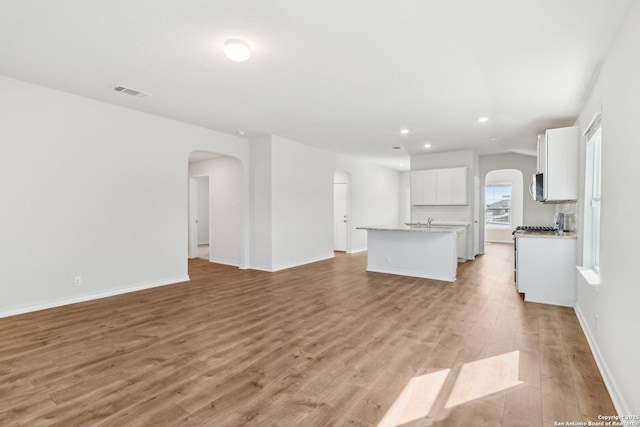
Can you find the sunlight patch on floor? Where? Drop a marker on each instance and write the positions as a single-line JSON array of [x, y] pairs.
[[416, 399], [475, 380], [484, 377]]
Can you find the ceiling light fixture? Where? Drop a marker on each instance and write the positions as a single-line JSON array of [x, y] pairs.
[[493, 138], [404, 131], [237, 50], [427, 145], [483, 119]]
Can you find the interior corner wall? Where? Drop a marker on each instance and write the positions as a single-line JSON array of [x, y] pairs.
[[203, 210], [226, 205], [534, 213], [93, 190], [614, 337], [302, 197], [261, 228]]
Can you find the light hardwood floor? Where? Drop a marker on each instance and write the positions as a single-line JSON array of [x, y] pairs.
[[322, 344]]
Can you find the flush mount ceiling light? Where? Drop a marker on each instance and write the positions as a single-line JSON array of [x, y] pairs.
[[404, 131], [237, 50], [483, 119], [493, 138]]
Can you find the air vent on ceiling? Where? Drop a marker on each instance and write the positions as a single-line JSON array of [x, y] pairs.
[[130, 91], [396, 148]]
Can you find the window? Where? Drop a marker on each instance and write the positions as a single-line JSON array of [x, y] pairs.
[[498, 205], [592, 195]]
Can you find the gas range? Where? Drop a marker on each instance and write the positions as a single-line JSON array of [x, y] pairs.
[[533, 228]]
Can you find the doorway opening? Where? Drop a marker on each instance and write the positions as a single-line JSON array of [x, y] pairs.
[[216, 208], [341, 212], [202, 216], [503, 198]]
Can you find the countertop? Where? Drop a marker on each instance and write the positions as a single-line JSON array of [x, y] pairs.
[[419, 228], [546, 234]]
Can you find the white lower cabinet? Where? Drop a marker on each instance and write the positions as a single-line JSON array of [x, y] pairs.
[[461, 243], [545, 269]]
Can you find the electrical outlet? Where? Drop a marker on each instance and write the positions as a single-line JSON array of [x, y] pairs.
[[77, 281]]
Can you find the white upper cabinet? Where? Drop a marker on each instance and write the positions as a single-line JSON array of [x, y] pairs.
[[558, 154], [439, 187], [417, 187]]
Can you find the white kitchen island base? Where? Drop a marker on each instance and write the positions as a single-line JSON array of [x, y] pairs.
[[413, 252]]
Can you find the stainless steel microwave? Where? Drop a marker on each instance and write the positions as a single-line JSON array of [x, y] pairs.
[[536, 189], [540, 187]]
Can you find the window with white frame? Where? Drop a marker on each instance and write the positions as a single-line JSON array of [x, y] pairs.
[[498, 205], [592, 195]]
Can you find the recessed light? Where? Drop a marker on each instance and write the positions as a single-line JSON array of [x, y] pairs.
[[493, 138], [427, 145], [483, 119], [404, 131], [237, 50]]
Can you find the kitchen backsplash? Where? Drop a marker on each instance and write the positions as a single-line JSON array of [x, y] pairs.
[[570, 211], [440, 213]]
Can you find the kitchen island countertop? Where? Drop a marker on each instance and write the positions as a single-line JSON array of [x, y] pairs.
[[418, 228]]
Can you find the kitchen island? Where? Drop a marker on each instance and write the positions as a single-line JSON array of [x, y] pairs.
[[418, 251]]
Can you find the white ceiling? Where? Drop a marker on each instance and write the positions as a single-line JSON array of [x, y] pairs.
[[341, 75]]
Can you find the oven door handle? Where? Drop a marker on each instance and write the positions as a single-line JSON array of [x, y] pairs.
[[531, 184]]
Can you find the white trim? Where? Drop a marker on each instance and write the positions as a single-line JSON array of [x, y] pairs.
[[225, 262], [286, 266], [298, 264], [90, 297], [260, 268], [411, 274], [591, 277], [618, 401], [355, 251]]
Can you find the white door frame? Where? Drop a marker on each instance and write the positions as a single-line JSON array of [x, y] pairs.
[[193, 216]]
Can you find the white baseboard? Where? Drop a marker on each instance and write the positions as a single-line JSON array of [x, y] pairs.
[[82, 298], [355, 251], [225, 262], [618, 401], [292, 265], [298, 264], [411, 274]]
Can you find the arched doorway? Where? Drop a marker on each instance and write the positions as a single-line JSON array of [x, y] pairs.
[[224, 211], [503, 202]]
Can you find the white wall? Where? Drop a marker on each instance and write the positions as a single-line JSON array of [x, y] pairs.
[[91, 189], [616, 340], [294, 225], [226, 206], [203, 209], [260, 204], [533, 213], [514, 178]]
